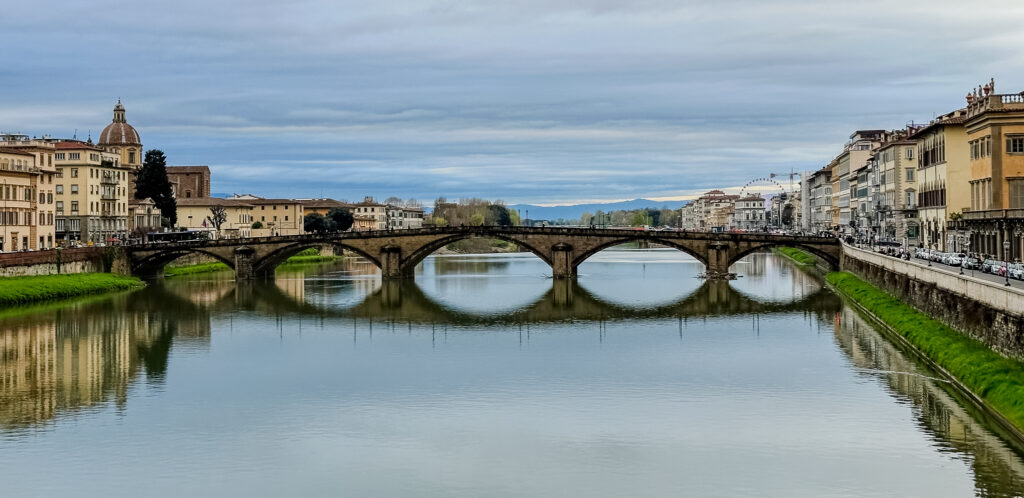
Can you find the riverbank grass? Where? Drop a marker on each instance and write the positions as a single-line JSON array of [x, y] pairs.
[[999, 381], [799, 257], [178, 271], [22, 290]]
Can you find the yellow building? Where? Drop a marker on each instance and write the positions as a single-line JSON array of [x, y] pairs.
[[943, 176], [321, 206], [995, 137], [370, 215], [26, 166], [896, 162], [195, 214], [92, 194], [120, 138], [278, 217]]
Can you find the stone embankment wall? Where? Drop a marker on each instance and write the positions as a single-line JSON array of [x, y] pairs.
[[987, 311], [77, 260]]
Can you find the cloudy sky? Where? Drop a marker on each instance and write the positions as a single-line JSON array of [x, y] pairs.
[[539, 101]]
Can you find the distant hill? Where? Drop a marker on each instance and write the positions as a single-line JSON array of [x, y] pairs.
[[574, 211]]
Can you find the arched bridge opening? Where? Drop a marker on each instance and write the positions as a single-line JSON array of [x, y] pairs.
[[410, 262], [828, 254], [154, 264]]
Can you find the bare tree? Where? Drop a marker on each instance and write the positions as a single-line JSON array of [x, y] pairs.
[[393, 201], [218, 215]]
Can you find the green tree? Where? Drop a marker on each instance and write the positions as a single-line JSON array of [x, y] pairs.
[[152, 183], [439, 221], [257, 225], [476, 219], [317, 224], [500, 215], [341, 217]]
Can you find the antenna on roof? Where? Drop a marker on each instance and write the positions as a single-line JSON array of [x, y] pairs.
[[75, 135]]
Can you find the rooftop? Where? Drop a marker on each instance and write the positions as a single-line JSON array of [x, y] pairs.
[[187, 169]]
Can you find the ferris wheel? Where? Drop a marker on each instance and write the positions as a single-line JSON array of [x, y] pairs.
[[760, 185]]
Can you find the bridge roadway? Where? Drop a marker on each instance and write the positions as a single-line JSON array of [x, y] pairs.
[[397, 252]]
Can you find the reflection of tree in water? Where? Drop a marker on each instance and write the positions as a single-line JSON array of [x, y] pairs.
[[59, 362], [998, 468]]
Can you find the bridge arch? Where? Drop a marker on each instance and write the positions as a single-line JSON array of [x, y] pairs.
[[584, 255], [829, 258], [409, 262], [153, 265], [268, 263]]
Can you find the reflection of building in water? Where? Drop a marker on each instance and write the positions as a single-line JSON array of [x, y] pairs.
[[997, 468], [60, 362], [27, 373]]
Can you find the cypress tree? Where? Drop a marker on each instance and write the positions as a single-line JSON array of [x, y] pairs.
[[152, 182]]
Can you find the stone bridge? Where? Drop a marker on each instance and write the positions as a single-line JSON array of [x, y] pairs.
[[398, 252]]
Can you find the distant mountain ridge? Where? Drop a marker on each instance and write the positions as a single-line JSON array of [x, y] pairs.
[[574, 211]]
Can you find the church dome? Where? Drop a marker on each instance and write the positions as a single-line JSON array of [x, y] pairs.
[[119, 132]]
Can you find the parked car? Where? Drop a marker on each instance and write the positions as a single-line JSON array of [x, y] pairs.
[[955, 259], [971, 263], [986, 266], [1015, 270], [998, 268]]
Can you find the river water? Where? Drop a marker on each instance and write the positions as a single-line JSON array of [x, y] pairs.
[[483, 378]]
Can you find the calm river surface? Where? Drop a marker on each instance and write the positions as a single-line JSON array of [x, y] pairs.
[[484, 378]]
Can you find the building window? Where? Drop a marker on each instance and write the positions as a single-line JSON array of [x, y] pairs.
[[1015, 145], [910, 174], [74, 156], [74, 189], [910, 152], [60, 206], [60, 156], [131, 157], [74, 206], [74, 172], [1016, 194]]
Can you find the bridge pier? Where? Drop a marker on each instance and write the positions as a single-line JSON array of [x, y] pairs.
[[391, 263], [562, 258], [717, 262], [244, 263]]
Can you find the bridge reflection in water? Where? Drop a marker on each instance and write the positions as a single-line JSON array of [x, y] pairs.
[[72, 359]]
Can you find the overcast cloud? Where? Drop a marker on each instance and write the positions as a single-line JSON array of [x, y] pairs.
[[526, 101]]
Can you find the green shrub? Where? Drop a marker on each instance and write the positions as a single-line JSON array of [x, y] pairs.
[[996, 379]]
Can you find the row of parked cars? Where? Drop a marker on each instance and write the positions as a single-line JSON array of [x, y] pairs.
[[995, 267]]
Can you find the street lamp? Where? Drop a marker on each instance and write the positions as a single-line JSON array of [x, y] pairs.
[[1006, 249]]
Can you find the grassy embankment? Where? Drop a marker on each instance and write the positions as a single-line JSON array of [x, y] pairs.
[[311, 255], [22, 290], [997, 380], [798, 256]]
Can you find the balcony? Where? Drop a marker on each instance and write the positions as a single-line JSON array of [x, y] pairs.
[[108, 196], [1003, 102], [108, 180], [994, 214]]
